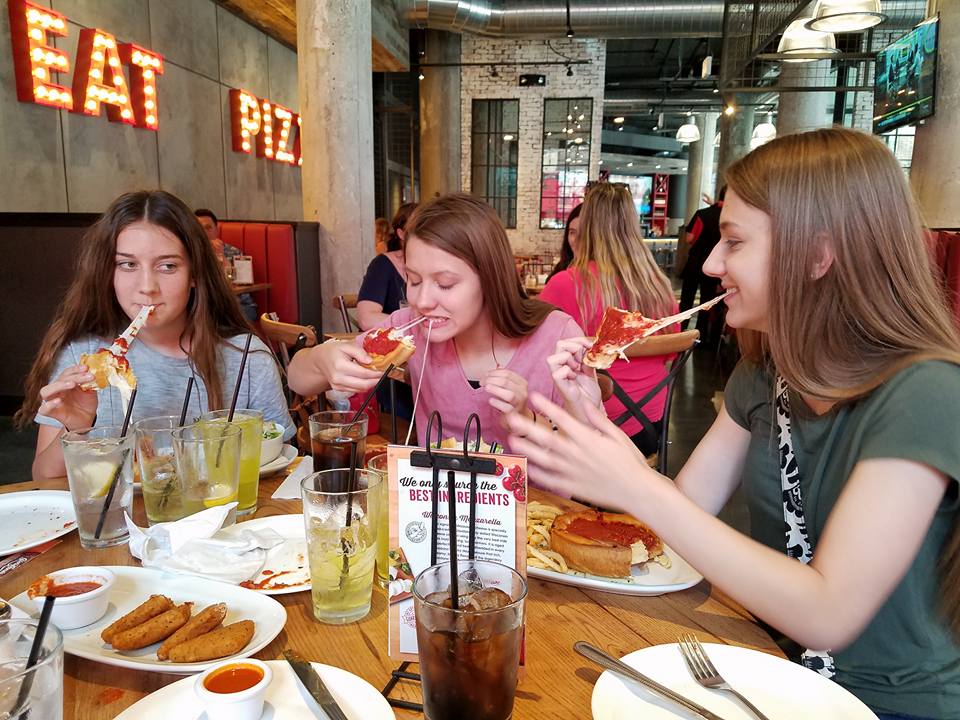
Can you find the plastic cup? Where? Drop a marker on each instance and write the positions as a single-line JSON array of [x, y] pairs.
[[342, 555], [378, 464], [92, 457], [208, 465], [159, 482], [333, 437], [469, 658], [45, 679], [250, 423]]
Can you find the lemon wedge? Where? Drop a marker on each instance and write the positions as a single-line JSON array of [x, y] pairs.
[[97, 476], [220, 495]]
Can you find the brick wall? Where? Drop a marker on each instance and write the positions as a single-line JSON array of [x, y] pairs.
[[475, 83]]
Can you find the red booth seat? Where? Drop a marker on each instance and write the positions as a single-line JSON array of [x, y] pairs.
[[274, 261]]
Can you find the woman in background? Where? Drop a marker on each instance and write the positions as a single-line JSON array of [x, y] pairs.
[[570, 233], [383, 290]]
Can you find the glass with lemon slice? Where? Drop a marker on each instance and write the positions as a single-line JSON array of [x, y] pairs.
[[94, 457], [208, 465]]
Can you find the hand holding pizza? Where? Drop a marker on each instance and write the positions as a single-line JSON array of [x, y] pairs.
[[576, 382], [342, 364], [507, 390], [64, 400]]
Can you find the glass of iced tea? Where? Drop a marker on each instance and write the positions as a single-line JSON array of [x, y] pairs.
[[250, 423], [162, 492], [341, 520], [378, 464], [335, 438], [469, 656]]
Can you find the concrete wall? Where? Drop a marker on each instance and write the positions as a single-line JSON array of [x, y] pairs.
[[57, 161], [476, 83]]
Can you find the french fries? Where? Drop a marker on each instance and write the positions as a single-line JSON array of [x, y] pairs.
[[185, 639], [540, 517]]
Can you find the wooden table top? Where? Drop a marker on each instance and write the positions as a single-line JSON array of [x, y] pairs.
[[558, 682], [252, 287]]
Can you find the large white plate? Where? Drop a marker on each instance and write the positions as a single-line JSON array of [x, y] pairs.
[[286, 698], [779, 688], [286, 564], [33, 517], [647, 579], [135, 584], [287, 455]]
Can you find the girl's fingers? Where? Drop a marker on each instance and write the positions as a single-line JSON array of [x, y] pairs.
[[501, 406]]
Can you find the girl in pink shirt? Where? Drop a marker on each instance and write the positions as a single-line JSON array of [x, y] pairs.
[[613, 266], [484, 345]]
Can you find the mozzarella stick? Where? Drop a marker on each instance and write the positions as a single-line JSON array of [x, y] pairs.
[[153, 630], [220, 643], [153, 606], [203, 622]]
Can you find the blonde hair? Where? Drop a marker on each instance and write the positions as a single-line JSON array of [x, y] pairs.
[[878, 308], [627, 275]]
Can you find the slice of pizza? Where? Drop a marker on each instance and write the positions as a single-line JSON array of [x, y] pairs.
[[619, 329], [109, 366], [388, 346]]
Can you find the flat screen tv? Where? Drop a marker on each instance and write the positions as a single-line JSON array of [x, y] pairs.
[[906, 74]]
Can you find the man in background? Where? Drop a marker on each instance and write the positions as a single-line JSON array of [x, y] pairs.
[[703, 234], [224, 252]]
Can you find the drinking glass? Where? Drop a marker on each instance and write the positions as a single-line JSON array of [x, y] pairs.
[[208, 465], [162, 490], [250, 423], [93, 457], [341, 526], [378, 464], [334, 438], [469, 656], [39, 690]]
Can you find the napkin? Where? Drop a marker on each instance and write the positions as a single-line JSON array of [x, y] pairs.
[[290, 488], [192, 546]]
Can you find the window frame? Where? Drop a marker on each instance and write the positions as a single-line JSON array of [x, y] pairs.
[[564, 168], [508, 218]]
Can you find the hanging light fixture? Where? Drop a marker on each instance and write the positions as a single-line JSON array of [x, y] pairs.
[[763, 133], [844, 16], [688, 132], [798, 39]]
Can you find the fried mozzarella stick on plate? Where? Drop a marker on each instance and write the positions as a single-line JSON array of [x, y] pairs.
[[150, 608]]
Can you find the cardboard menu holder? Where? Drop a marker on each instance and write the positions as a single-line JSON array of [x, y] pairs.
[[243, 269], [500, 522]]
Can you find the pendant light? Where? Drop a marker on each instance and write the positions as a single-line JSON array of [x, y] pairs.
[[845, 16], [763, 133], [798, 39], [688, 132]]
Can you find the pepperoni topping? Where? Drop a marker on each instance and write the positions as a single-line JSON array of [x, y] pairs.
[[618, 533]]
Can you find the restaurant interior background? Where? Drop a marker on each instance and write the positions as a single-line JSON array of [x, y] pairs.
[[519, 102]]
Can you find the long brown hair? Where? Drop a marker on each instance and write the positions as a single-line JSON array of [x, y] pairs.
[[469, 229], [399, 222], [627, 275], [878, 308], [90, 306]]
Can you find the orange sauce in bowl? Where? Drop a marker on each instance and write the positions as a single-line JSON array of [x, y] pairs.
[[48, 586], [233, 678]]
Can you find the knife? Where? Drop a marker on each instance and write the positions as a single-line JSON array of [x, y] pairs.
[[314, 685], [611, 663]]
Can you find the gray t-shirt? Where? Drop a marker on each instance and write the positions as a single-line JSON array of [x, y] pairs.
[[162, 382]]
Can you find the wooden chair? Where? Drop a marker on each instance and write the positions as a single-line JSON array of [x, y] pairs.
[[344, 303], [681, 343], [289, 339]]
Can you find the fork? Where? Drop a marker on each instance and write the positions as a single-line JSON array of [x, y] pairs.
[[705, 672]]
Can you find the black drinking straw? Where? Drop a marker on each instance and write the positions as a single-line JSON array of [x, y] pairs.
[[452, 524], [369, 397], [116, 473], [186, 402], [236, 388], [34, 655], [345, 567]]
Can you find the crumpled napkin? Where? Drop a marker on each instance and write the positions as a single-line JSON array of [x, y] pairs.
[[191, 547], [289, 489]]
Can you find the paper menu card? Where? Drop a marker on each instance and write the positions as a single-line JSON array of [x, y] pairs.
[[501, 528]]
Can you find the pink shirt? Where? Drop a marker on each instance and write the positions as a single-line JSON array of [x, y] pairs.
[[636, 377], [446, 388]]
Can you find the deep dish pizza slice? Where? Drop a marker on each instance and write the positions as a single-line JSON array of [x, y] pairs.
[[388, 346]]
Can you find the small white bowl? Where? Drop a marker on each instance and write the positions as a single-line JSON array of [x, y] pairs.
[[243, 705], [74, 611], [270, 449]]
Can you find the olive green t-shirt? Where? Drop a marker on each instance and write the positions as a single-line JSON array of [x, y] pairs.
[[906, 660]]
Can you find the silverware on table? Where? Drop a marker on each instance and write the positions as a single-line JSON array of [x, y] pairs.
[[595, 654], [314, 685], [705, 672]]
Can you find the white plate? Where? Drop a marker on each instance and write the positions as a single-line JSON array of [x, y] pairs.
[[33, 517], [286, 562], [135, 584], [286, 698], [287, 455], [779, 688], [647, 579]]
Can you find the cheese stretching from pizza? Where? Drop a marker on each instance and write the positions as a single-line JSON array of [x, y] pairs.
[[109, 369], [388, 346], [619, 329], [605, 544]]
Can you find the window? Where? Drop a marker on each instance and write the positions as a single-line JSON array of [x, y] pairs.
[[566, 158], [496, 127], [900, 141]]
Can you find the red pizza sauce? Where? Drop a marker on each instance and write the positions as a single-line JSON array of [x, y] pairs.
[[625, 534], [233, 678], [614, 332], [379, 342]]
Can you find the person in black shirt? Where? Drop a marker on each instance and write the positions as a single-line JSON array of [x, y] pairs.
[[703, 234]]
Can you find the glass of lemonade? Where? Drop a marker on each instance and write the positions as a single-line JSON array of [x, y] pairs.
[[45, 698], [208, 465], [341, 527], [93, 457], [162, 491], [250, 423], [378, 464]]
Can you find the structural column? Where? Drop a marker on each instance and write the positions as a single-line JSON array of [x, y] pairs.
[[935, 171], [336, 110], [440, 116], [800, 111], [699, 171], [735, 132]]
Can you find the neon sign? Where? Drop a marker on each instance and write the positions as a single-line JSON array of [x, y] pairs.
[[269, 129]]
